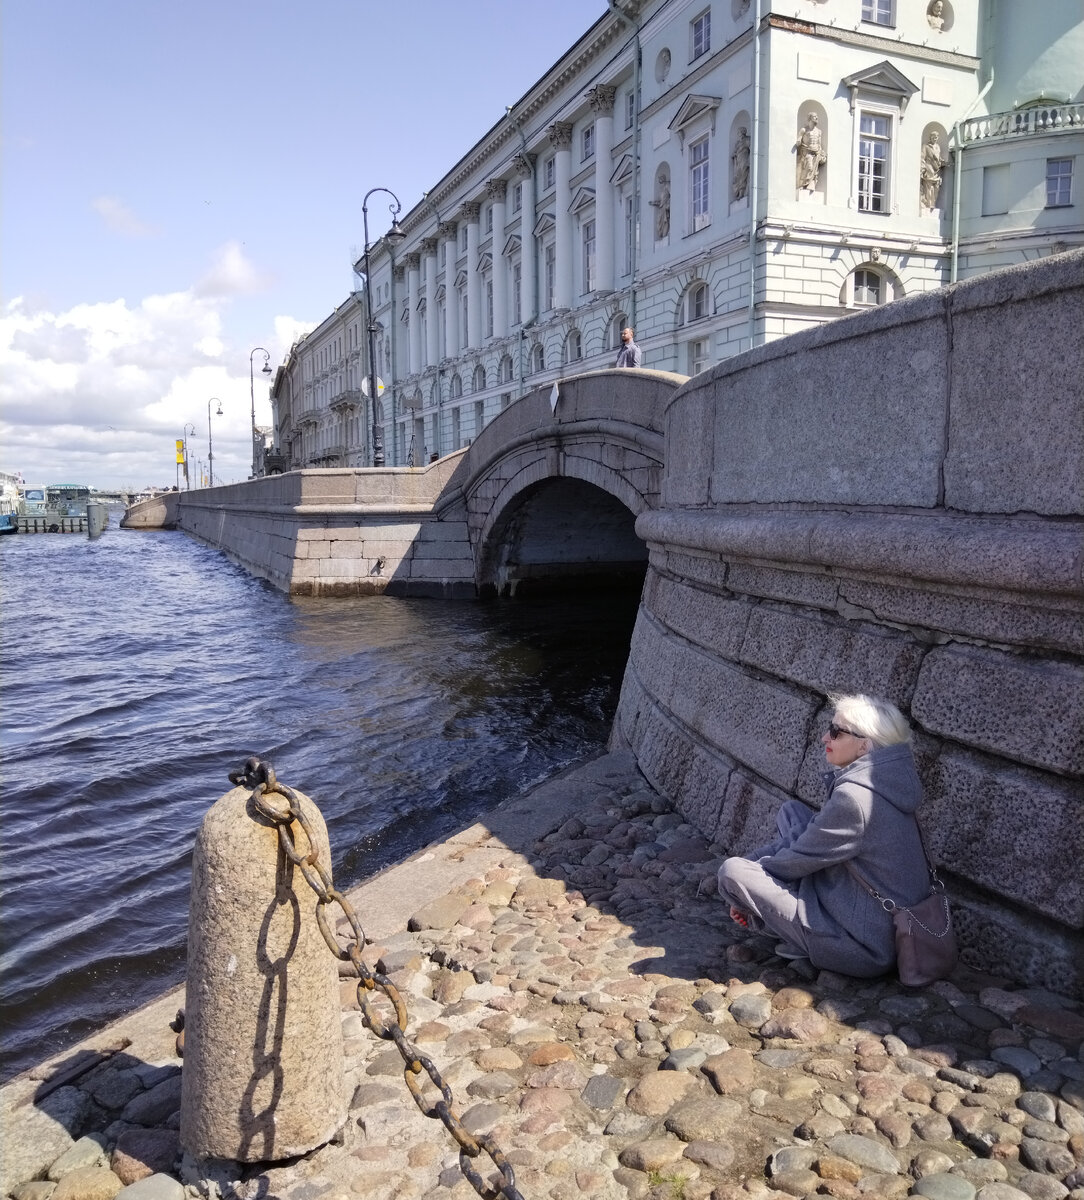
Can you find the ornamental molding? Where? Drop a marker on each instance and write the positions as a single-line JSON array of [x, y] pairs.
[[497, 189], [882, 81], [560, 134], [601, 98]]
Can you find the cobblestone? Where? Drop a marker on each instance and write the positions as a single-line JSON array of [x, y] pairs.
[[593, 1006]]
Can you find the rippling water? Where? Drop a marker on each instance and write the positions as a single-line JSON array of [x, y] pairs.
[[139, 669]]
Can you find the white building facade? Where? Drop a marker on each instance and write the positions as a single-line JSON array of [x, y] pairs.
[[719, 174], [320, 415]]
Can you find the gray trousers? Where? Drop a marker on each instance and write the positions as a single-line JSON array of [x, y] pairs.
[[770, 905]]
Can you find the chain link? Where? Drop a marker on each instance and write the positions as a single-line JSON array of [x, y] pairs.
[[259, 778]]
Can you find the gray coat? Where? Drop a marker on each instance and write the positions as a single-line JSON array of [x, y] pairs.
[[868, 820]]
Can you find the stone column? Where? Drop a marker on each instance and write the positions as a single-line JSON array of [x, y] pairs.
[[497, 190], [472, 336], [560, 133], [528, 256], [449, 230], [263, 1052], [414, 325], [602, 105], [432, 333]]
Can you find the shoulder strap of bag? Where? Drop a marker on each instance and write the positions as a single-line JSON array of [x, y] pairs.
[[888, 904]]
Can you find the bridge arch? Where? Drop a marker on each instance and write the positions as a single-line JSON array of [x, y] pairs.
[[552, 491]]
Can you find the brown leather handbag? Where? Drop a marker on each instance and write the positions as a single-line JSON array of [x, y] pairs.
[[926, 947]]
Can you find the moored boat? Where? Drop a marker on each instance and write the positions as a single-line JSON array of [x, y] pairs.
[[55, 508]]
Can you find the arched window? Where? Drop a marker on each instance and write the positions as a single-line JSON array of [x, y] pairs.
[[616, 325], [479, 382], [538, 357], [573, 347], [869, 285], [697, 303], [457, 387], [505, 374]]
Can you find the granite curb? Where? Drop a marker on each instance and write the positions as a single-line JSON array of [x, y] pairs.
[[569, 968]]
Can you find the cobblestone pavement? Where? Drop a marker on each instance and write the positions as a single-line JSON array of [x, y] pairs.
[[582, 989]]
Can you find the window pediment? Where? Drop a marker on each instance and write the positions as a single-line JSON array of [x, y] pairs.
[[623, 173], [461, 279], [512, 245], [545, 224], [882, 82], [693, 109], [485, 261], [584, 198]]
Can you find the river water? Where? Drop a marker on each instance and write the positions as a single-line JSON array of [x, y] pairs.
[[137, 670]]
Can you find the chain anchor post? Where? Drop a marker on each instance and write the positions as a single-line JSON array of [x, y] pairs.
[[263, 1075]]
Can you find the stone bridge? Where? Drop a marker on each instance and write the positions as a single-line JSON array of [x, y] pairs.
[[550, 490], [890, 503]]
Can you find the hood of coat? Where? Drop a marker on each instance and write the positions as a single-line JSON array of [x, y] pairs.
[[886, 771]]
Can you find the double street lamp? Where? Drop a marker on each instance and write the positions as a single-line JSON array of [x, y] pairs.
[[210, 451], [265, 370], [394, 236]]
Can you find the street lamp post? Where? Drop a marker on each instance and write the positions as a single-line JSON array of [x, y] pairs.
[[187, 464], [266, 370], [394, 235], [210, 451]]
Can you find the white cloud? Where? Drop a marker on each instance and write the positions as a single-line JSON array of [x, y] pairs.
[[231, 274], [99, 392], [120, 219]]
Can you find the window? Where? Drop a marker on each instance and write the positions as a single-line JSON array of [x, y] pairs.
[[588, 234], [630, 109], [700, 29], [874, 143], [443, 254], [479, 417], [700, 183], [697, 303], [630, 233], [549, 274], [867, 287], [506, 400], [619, 322], [549, 172], [517, 197], [463, 239], [478, 384], [457, 387], [1059, 182], [517, 289], [698, 356], [464, 310], [587, 143], [489, 306], [455, 428], [877, 12], [538, 358], [574, 347], [489, 218], [505, 373]]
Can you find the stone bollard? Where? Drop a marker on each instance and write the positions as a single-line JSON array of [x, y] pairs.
[[263, 1057]]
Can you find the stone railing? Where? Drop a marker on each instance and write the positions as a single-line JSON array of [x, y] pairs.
[[1043, 118]]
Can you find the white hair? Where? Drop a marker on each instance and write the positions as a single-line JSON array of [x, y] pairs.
[[881, 722]]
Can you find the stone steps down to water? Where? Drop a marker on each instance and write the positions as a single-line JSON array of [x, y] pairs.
[[572, 973]]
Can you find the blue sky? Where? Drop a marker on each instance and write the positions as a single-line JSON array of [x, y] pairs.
[[182, 183]]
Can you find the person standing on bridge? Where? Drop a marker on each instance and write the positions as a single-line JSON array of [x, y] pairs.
[[629, 355]]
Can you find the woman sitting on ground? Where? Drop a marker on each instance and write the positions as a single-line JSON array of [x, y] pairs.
[[801, 888]]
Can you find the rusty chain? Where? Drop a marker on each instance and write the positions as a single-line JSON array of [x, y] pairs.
[[259, 777]]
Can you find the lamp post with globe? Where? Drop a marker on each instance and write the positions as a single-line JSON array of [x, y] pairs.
[[393, 236]]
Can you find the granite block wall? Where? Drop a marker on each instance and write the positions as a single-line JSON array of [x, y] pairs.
[[890, 503]]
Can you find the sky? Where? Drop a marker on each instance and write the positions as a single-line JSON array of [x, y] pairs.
[[181, 186]]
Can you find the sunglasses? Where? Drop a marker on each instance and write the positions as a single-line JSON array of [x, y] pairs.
[[835, 731]]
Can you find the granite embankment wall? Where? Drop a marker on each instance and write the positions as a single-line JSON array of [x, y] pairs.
[[890, 503]]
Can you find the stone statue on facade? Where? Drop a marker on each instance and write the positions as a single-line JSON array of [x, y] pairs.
[[661, 204], [935, 15], [931, 171], [739, 166], [811, 156]]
